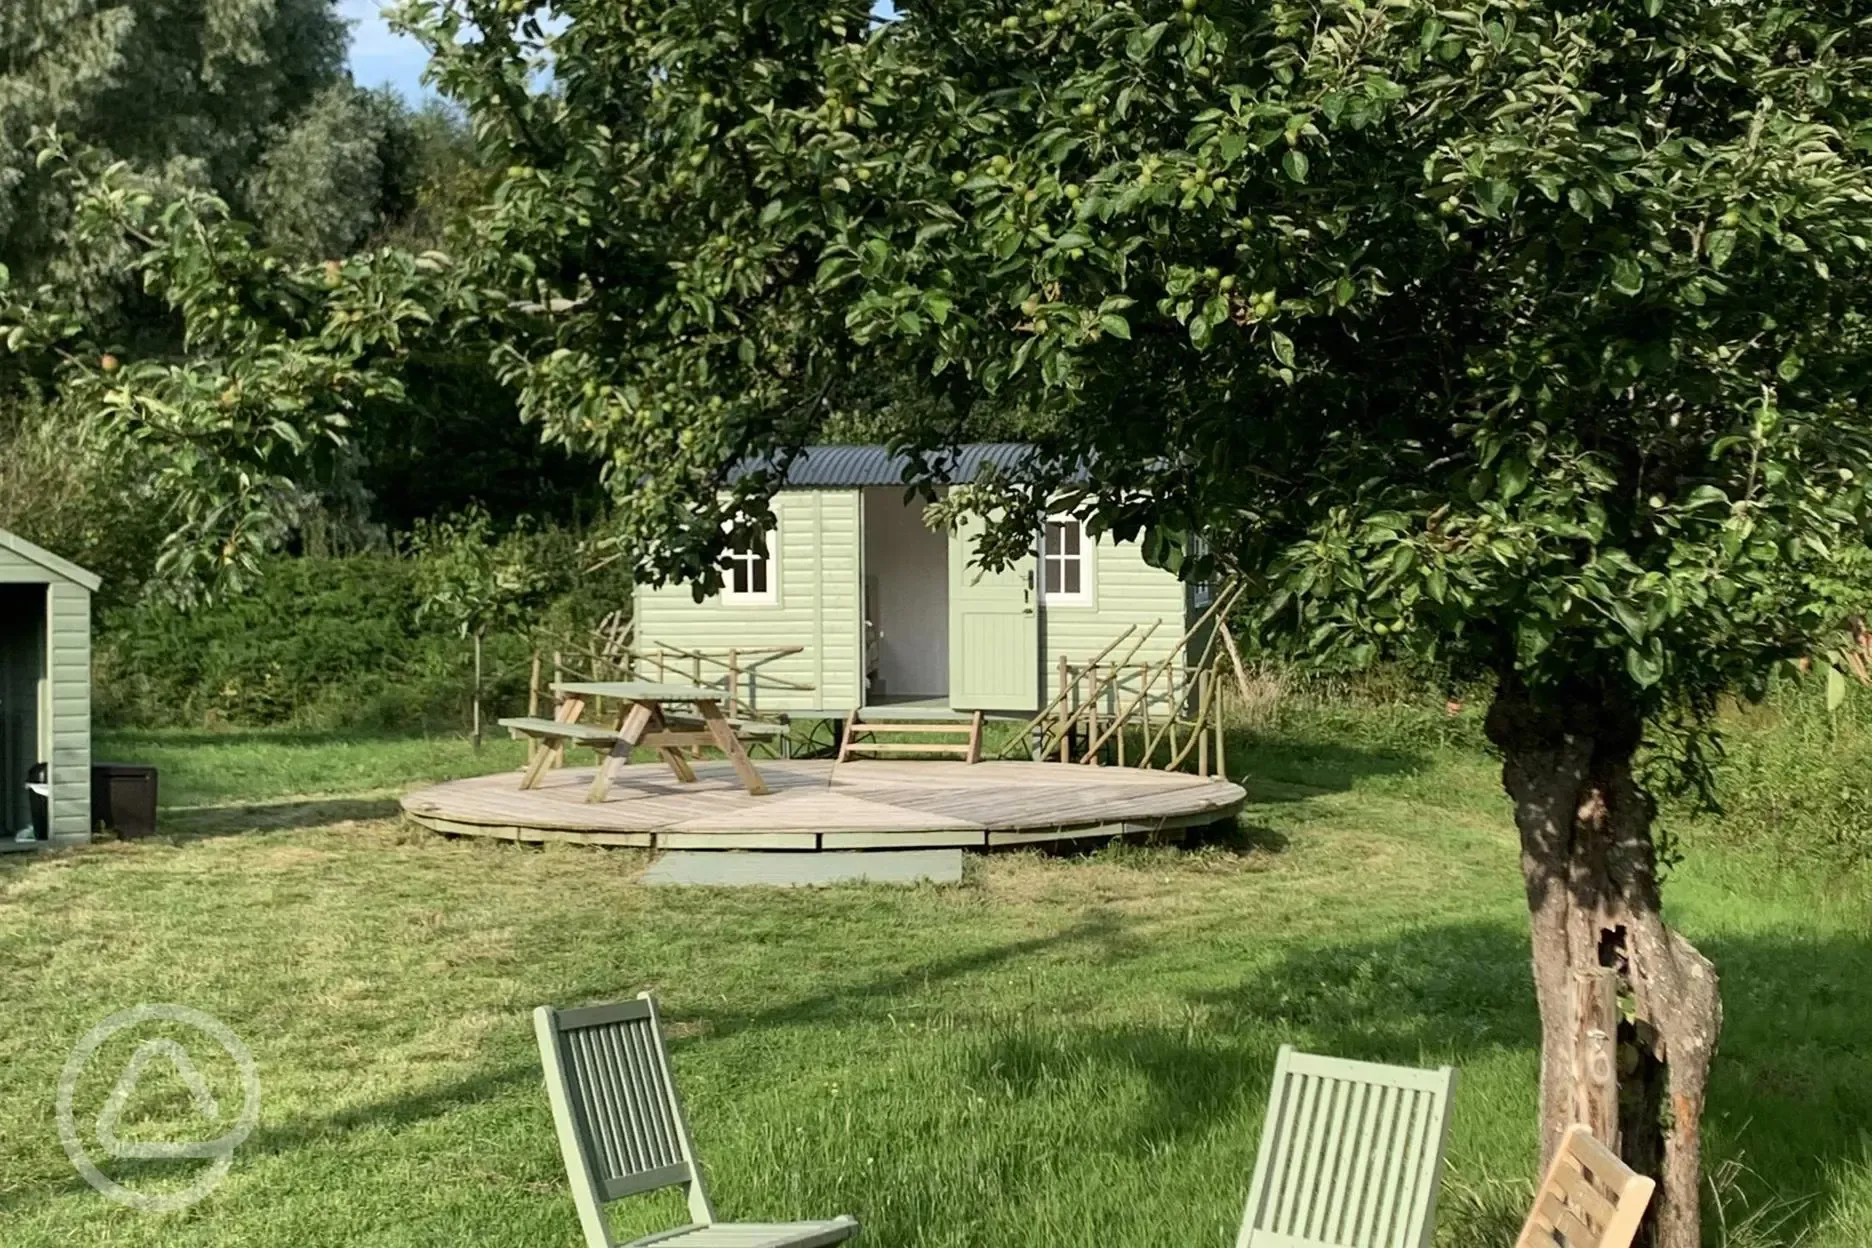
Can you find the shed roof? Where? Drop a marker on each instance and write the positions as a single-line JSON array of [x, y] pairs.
[[848, 467], [63, 569]]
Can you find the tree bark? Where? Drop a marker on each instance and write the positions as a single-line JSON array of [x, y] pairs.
[[1590, 867]]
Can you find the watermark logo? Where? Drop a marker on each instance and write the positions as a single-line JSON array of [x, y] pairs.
[[152, 1052]]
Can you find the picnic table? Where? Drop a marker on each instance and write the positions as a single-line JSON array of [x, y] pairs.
[[641, 721]]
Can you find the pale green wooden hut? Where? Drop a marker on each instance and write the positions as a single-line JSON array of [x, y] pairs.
[[45, 693], [885, 611]]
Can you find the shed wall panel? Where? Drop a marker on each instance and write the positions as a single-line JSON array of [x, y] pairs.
[[69, 637]]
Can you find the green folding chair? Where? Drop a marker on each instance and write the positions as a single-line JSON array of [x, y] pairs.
[[1351, 1155], [622, 1131]]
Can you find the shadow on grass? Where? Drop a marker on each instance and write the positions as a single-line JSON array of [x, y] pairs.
[[235, 818], [1102, 937], [1291, 771], [1790, 1108]]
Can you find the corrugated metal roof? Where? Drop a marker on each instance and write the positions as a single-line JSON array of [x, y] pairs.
[[848, 467]]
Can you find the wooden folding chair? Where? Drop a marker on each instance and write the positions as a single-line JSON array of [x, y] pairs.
[[622, 1131], [1351, 1155], [1589, 1199]]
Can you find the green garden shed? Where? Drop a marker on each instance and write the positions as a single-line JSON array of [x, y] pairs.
[[874, 608], [45, 696]]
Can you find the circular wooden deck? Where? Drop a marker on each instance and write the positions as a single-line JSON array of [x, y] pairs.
[[817, 805]]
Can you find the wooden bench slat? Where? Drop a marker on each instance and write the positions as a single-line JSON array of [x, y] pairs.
[[554, 728]]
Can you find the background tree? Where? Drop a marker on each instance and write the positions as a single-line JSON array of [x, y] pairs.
[[193, 91], [231, 112], [478, 580]]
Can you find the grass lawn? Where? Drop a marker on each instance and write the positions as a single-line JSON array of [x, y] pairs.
[[1058, 1052]]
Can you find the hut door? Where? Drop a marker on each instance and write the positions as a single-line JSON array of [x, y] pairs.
[[994, 630]]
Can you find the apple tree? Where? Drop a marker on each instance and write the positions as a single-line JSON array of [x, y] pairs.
[[1529, 336]]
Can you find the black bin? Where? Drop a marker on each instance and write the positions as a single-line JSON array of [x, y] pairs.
[[123, 797]]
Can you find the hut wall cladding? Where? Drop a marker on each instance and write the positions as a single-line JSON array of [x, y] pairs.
[[818, 607], [1125, 591]]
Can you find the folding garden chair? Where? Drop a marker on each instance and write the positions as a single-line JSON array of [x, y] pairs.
[[622, 1131], [1590, 1199], [1351, 1155]]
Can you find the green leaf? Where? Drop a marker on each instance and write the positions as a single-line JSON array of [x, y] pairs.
[[1645, 669], [1142, 42], [1835, 688], [1721, 246], [1283, 348], [1513, 477], [1790, 366], [1115, 325], [1627, 277], [1295, 164], [1630, 620]]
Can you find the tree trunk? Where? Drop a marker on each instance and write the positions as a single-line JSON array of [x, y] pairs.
[[1590, 866]]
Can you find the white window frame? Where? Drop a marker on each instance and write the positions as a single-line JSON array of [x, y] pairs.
[[749, 559], [1085, 595]]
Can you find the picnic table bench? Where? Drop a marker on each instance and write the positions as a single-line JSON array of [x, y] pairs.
[[554, 732], [642, 721]]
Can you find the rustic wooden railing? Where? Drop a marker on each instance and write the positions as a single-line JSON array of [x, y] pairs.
[[1100, 706]]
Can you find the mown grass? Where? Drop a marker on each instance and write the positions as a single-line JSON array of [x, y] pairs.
[[1061, 1051]]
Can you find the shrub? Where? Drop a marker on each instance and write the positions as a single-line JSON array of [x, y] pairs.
[[322, 643], [1795, 777]]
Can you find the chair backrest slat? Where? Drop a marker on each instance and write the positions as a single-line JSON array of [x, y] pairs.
[[614, 1103], [1589, 1198], [1351, 1155]]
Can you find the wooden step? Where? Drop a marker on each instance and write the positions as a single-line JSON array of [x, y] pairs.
[[862, 725]]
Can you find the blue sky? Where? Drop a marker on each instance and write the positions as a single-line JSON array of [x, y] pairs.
[[380, 58]]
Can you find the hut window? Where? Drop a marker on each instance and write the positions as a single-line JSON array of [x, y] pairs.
[[749, 576], [1066, 566]]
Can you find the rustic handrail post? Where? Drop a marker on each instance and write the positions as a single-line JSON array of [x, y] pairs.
[[1202, 726], [1144, 706], [734, 683], [1092, 714], [1221, 751], [1118, 691], [1065, 713]]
